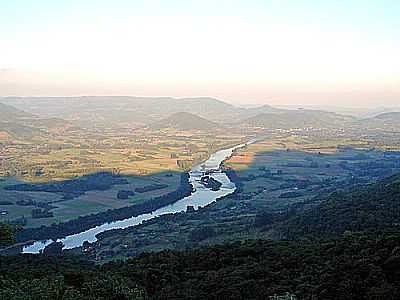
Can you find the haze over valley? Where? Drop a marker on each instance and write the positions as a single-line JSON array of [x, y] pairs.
[[199, 150]]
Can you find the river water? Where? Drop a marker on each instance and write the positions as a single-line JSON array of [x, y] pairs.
[[201, 196]]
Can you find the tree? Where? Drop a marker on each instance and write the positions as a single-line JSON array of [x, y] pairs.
[[54, 249], [6, 234], [202, 233]]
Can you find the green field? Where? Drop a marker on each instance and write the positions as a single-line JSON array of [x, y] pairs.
[[142, 157], [271, 168], [271, 175], [90, 202]]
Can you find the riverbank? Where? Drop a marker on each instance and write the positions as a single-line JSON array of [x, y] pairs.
[[201, 196], [178, 230], [84, 223]]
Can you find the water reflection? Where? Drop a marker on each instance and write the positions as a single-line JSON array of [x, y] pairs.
[[200, 197]]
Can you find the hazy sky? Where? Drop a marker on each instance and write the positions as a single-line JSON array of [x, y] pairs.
[[333, 52]]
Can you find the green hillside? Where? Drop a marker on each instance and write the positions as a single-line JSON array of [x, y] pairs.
[[365, 208]]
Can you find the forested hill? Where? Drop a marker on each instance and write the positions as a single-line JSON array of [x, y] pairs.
[[299, 119], [364, 265], [9, 113], [364, 208], [185, 121], [18, 124], [114, 110], [355, 267], [387, 121]]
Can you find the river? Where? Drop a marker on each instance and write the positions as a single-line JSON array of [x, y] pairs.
[[201, 196]]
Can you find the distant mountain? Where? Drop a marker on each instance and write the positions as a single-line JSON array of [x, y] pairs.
[[12, 123], [372, 207], [369, 113], [131, 111], [121, 111], [15, 123], [262, 109], [387, 121], [10, 113], [298, 119], [389, 116], [185, 121], [124, 111], [16, 130], [358, 112]]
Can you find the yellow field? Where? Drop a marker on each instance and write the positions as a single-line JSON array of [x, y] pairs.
[[141, 152]]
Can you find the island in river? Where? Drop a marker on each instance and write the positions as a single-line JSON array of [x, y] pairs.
[[202, 195]]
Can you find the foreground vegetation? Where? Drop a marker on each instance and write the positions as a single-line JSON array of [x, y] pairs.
[[277, 179], [321, 188], [361, 266]]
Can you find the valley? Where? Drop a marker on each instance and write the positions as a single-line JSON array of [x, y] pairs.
[[111, 191], [275, 178], [138, 156], [199, 150]]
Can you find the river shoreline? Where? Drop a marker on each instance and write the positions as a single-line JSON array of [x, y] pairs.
[[86, 222], [201, 196]]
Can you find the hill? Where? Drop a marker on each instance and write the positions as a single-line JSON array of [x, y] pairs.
[[15, 123], [372, 207], [390, 116], [185, 121], [298, 119], [389, 120], [10, 113], [16, 130], [121, 111], [359, 267], [253, 111]]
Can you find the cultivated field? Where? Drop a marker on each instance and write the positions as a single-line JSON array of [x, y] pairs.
[[281, 171], [142, 157]]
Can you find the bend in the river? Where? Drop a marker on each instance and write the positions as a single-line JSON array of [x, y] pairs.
[[201, 196]]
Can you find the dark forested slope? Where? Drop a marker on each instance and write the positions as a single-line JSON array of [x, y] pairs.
[[355, 267], [363, 208]]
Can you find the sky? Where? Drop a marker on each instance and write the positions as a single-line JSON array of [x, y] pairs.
[[308, 52]]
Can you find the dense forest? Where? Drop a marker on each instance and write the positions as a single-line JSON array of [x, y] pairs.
[[366, 207], [359, 266], [346, 247], [7, 234]]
